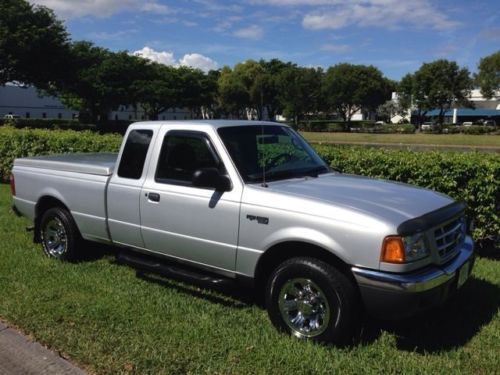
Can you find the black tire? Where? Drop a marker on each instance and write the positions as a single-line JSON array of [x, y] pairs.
[[318, 302], [59, 234]]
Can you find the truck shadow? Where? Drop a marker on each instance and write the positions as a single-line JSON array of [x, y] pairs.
[[447, 328], [442, 329]]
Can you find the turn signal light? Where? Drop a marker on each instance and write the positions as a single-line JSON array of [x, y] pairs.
[[393, 250]]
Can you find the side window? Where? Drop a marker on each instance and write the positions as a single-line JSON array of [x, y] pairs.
[[181, 155], [134, 154]]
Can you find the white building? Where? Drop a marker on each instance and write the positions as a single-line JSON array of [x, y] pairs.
[[484, 108], [27, 103]]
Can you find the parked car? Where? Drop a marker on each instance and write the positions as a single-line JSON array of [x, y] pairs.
[[428, 126], [489, 123], [252, 202], [467, 123], [11, 116]]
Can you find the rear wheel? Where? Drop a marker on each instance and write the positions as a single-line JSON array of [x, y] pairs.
[[59, 234], [311, 299]]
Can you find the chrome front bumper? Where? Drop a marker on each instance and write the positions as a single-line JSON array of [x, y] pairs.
[[391, 294]]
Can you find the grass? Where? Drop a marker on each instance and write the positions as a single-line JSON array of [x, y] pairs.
[[107, 319], [410, 139]]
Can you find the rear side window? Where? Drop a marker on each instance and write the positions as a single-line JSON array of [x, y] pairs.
[[134, 154]]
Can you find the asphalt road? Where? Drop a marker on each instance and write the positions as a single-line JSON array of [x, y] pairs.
[[20, 355]]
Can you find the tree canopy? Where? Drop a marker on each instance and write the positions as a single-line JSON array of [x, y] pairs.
[[488, 76], [349, 88], [34, 45]]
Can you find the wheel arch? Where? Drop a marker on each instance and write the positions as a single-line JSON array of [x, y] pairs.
[[280, 252], [43, 204]]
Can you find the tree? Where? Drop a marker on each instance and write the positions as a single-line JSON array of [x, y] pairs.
[[440, 85], [299, 91], [488, 76], [158, 91], [101, 80], [34, 45], [350, 88], [233, 94], [390, 109]]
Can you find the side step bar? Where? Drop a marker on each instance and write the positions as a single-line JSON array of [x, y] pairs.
[[178, 272]]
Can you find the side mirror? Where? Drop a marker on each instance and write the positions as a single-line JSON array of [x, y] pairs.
[[211, 178]]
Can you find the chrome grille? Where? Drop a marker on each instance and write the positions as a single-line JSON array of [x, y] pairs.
[[449, 237]]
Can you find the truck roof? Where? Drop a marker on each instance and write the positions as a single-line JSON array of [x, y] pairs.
[[212, 123]]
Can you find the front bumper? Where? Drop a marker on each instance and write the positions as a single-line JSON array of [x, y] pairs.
[[391, 295]]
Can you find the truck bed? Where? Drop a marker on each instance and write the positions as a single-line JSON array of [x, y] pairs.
[[101, 164]]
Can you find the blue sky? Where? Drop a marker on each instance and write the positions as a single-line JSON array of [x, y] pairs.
[[396, 36]]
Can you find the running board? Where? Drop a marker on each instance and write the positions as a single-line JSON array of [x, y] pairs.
[[154, 265]]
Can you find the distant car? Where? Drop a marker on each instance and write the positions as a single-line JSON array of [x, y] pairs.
[[489, 123], [379, 123], [427, 126], [467, 123], [10, 116]]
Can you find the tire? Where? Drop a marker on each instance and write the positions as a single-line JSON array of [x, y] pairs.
[[59, 234], [310, 299]]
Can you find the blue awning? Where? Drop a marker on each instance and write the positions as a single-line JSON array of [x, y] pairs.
[[466, 112]]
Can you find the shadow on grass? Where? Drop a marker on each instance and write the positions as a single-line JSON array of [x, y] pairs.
[[93, 251], [441, 329], [230, 296], [445, 328]]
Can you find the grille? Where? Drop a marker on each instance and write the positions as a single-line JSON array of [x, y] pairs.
[[449, 237]]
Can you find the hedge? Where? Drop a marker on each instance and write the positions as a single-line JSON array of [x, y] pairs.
[[15, 143], [472, 177], [467, 176]]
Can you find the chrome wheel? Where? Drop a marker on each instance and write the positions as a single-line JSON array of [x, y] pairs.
[[304, 307], [55, 238]]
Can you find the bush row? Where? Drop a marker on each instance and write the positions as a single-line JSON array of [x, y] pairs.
[[15, 143], [355, 126], [111, 126], [470, 177]]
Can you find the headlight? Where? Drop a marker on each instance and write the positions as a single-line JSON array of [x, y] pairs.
[[415, 247], [397, 249]]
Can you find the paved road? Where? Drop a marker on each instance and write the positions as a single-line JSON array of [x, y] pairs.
[[19, 355]]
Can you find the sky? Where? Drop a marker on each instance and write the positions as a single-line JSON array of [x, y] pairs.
[[396, 36]]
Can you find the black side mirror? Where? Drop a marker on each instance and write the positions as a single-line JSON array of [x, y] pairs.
[[211, 178]]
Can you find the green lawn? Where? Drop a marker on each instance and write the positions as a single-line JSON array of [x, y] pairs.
[[108, 320], [411, 139]]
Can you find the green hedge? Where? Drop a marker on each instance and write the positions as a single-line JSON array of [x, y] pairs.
[[471, 177], [16, 143], [467, 176]]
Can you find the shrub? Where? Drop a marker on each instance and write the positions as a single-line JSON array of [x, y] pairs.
[[467, 176], [15, 143]]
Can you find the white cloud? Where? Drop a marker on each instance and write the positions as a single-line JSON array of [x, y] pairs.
[[381, 13], [331, 47], [193, 60], [161, 57], [101, 8], [336, 14], [251, 32]]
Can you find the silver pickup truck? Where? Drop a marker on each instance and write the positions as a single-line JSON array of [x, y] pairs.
[[253, 202]]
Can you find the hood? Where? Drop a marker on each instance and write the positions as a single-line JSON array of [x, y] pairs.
[[390, 201]]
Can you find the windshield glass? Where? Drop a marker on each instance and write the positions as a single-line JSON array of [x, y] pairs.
[[268, 152]]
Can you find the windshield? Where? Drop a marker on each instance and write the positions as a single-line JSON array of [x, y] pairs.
[[268, 152]]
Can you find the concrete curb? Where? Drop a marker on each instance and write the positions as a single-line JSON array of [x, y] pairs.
[[19, 355]]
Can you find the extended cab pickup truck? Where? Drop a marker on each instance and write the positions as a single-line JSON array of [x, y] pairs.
[[252, 201]]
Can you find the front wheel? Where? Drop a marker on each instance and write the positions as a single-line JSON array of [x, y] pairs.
[[311, 299], [59, 234]]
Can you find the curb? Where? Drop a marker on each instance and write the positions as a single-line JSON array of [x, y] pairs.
[[20, 355]]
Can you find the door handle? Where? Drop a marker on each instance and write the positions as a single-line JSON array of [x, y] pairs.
[[154, 197]]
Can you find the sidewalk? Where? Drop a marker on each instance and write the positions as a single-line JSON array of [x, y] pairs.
[[19, 355]]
